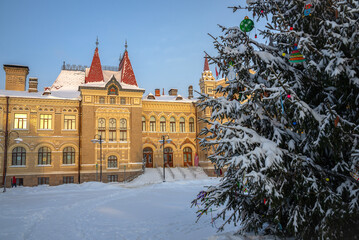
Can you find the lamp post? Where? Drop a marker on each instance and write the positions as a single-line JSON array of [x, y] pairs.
[[7, 135], [163, 146], [98, 139]]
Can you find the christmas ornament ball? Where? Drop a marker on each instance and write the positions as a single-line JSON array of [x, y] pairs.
[[246, 25], [283, 54]]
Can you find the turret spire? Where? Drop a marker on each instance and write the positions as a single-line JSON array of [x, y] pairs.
[[95, 74], [127, 74]]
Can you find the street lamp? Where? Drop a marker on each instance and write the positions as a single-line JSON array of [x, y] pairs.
[[7, 135], [163, 146], [98, 139]]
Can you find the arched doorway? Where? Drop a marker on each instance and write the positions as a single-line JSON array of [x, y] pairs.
[[169, 156], [148, 156], [187, 156]]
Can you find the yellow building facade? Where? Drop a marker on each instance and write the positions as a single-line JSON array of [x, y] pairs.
[[95, 124]]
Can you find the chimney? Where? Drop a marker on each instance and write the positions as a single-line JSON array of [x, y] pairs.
[[172, 92], [15, 77], [190, 92], [32, 85], [47, 91], [157, 92]]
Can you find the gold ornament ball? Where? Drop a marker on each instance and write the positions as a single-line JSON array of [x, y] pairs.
[[327, 179], [283, 54]]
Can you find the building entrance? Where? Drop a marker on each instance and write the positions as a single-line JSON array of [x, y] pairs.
[[148, 156]]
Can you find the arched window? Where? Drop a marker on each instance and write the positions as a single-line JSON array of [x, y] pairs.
[[191, 125], [172, 124], [102, 128], [182, 125], [112, 130], [162, 124], [123, 130], [44, 156], [19, 156], [143, 124], [153, 124], [112, 162], [68, 155], [102, 100], [187, 156]]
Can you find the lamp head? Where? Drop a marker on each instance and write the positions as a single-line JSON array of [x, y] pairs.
[[18, 140], [169, 140], [94, 140]]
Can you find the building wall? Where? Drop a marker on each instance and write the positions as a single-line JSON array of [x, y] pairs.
[[180, 140], [56, 138]]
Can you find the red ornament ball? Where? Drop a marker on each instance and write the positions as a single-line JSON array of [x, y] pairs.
[[261, 11], [291, 28], [289, 96]]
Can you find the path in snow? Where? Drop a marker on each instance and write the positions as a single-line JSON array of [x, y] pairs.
[[154, 175]]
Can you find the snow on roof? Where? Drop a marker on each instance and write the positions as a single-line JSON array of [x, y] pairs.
[[68, 80], [62, 94], [71, 80], [168, 98]]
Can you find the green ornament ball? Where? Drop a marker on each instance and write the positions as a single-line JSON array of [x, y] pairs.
[[246, 25]]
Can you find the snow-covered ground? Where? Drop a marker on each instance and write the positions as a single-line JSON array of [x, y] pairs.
[[136, 210]]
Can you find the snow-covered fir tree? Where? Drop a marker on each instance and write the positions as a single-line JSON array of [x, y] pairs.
[[287, 129]]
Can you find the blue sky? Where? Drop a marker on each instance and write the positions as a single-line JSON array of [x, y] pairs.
[[166, 39]]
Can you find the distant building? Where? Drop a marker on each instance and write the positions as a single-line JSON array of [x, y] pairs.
[[56, 125]]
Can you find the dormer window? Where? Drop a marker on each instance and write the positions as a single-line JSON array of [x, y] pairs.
[[112, 90]]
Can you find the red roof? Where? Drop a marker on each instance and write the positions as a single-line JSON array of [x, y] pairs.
[[127, 74], [95, 73], [206, 65]]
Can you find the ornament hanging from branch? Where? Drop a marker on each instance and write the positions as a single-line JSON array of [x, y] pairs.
[[336, 121], [231, 74], [296, 56], [246, 25], [355, 175], [307, 8]]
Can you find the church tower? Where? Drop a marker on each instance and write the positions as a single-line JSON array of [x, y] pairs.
[[207, 84]]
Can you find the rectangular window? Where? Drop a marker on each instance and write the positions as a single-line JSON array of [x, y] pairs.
[[143, 125], [123, 135], [173, 126], [123, 100], [42, 180], [163, 126], [69, 122], [112, 135], [112, 178], [112, 163], [45, 121], [182, 127], [112, 100], [19, 181], [102, 100], [20, 121], [68, 179], [153, 126]]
